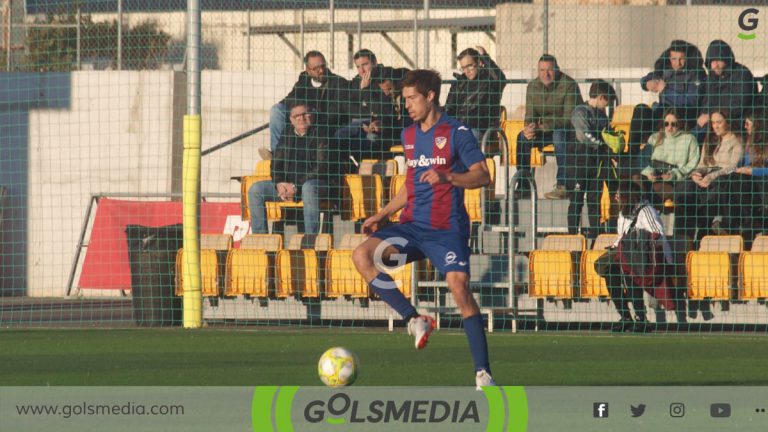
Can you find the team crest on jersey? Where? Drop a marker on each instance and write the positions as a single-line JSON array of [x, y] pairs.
[[440, 142]]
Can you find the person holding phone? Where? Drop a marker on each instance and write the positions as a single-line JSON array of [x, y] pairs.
[[675, 155]]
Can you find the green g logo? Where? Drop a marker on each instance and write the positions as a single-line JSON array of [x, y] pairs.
[[748, 22]]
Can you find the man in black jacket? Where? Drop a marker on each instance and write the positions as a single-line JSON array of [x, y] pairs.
[[299, 169], [678, 77], [475, 97], [323, 90], [730, 86], [369, 133]]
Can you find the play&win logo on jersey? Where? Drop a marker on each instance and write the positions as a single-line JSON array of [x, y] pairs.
[[424, 161]]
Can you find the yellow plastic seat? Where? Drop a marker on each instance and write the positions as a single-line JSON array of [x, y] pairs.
[[551, 274], [362, 196], [709, 275], [385, 168], [753, 270], [592, 284], [209, 269], [512, 129], [248, 273], [245, 185], [351, 241], [267, 242], [318, 242], [219, 242], [472, 197], [275, 208], [210, 244], [553, 268], [342, 276], [297, 272], [711, 268], [395, 184]]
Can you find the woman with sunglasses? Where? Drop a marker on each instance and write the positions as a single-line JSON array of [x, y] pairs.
[[675, 155], [700, 197]]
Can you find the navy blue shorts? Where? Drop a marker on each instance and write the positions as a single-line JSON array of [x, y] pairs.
[[447, 250]]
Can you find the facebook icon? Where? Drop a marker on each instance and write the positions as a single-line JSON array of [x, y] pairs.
[[600, 410]]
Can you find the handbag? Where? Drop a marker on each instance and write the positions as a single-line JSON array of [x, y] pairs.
[[661, 168], [641, 256]]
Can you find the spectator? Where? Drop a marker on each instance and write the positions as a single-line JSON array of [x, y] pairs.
[[675, 155], [317, 86], [475, 97], [591, 160], [677, 76], [299, 169], [388, 80], [549, 102], [721, 153], [366, 136], [745, 203], [636, 214], [729, 86]]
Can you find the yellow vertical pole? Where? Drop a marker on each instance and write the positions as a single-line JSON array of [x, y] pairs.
[[193, 299]]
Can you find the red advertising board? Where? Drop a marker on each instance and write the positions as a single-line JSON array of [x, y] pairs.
[[106, 263]]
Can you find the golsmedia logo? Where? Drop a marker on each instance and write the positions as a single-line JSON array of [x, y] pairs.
[[340, 409], [414, 409], [748, 21]]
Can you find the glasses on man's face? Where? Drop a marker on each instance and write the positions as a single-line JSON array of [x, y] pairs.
[[318, 68], [670, 124], [469, 67], [300, 115]]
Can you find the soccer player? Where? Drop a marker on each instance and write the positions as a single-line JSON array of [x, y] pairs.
[[443, 159]]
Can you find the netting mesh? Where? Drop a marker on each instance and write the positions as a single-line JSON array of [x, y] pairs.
[[640, 120]]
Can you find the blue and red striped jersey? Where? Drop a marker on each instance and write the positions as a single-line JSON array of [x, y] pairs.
[[448, 147]]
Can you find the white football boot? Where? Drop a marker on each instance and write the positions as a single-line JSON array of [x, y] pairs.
[[483, 379], [421, 327]]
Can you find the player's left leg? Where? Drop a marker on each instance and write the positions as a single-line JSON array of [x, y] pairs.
[[458, 283]]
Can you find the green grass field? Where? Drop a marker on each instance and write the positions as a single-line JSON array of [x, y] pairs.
[[246, 357]]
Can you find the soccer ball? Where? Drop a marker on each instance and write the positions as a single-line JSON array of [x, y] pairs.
[[338, 367]]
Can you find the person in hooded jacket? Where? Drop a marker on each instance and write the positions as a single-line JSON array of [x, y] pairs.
[[730, 86], [475, 97], [678, 75]]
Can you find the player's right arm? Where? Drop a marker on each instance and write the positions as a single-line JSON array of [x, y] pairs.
[[373, 223]]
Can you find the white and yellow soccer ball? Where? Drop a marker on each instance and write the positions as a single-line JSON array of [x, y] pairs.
[[338, 367]]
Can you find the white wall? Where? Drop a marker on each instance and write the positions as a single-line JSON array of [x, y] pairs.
[[114, 136]]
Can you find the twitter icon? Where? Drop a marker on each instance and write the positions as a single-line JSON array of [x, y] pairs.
[[637, 411]]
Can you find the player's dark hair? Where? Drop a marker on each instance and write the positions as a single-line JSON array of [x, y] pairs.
[[475, 54], [602, 88], [549, 58], [365, 52], [313, 53], [424, 80]]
